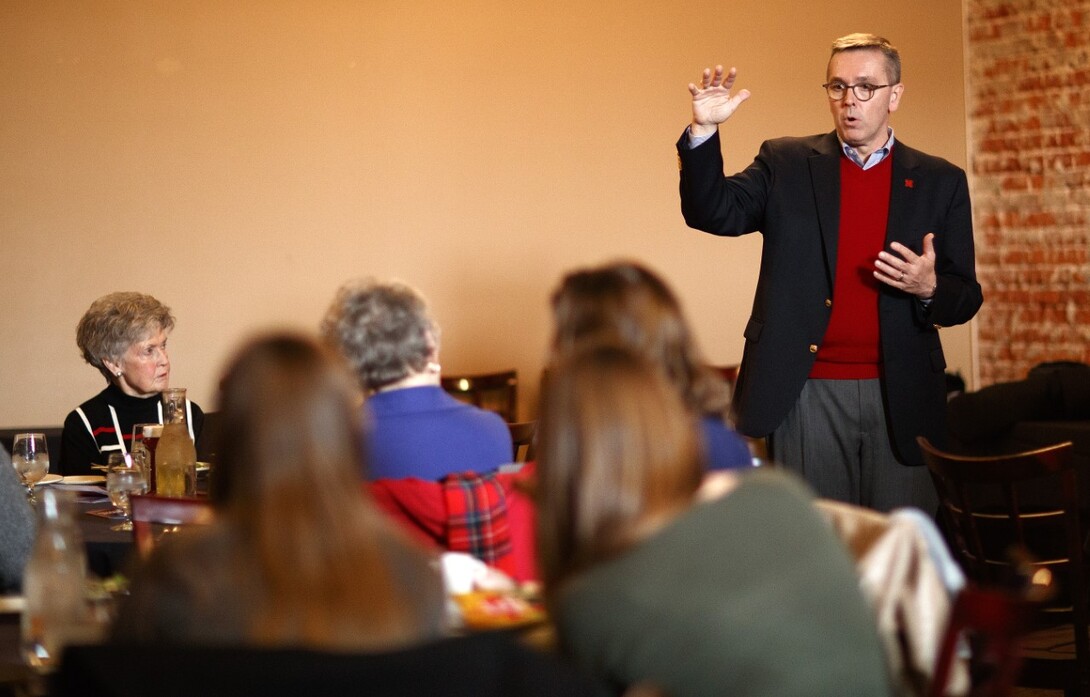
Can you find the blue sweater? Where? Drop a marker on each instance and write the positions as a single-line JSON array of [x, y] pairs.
[[424, 432], [723, 447]]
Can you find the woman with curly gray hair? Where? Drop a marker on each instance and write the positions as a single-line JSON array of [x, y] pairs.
[[415, 429], [124, 336]]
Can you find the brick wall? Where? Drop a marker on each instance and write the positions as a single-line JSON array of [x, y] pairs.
[[1029, 160]]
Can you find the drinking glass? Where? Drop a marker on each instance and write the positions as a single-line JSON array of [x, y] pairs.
[[149, 441], [141, 456], [121, 482], [116, 459], [30, 456]]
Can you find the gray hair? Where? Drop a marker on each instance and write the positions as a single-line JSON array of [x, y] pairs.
[[856, 42], [383, 330], [115, 322]]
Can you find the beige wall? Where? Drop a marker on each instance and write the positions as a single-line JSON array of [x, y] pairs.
[[239, 160]]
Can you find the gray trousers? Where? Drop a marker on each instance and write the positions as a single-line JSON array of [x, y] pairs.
[[837, 439]]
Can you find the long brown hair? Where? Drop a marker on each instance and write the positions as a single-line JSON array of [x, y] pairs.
[[287, 479], [618, 451], [628, 303]]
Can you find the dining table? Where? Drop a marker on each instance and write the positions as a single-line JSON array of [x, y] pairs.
[[109, 553]]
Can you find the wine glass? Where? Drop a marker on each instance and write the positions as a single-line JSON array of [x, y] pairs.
[[30, 456], [121, 482]]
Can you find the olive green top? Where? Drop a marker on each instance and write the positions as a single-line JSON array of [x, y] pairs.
[[747, 595]]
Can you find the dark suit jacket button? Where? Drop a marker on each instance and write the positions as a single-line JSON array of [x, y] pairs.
[[828, 302], [813, 348]]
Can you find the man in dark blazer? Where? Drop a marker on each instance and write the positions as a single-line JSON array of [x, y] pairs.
[[868, 247]]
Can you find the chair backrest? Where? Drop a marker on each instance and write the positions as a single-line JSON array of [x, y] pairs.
[[154, 516], [992, 620], [477, 665], [52, 439], [980, 502], [209, 437], [522, 440], [982, 506], [496, 392]]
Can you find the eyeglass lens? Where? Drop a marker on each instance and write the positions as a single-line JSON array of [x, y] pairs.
[[863, 91]]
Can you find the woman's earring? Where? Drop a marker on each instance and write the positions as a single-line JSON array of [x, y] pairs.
[[433, 367]]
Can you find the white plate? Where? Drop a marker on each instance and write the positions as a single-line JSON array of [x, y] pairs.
[[84, 479], [49, 479]]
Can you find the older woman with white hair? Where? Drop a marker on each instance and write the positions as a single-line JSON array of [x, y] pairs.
[[124, 336], [415, 429]]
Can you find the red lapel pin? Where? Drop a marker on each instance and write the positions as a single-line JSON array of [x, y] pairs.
[[909, 183]]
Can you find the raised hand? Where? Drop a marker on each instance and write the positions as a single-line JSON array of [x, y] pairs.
[[712, 101]]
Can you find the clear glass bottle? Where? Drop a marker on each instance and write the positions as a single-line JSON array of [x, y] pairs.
[[54, 583], [175, 454]]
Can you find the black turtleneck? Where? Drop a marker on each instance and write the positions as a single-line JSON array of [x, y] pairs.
[[79, 449]]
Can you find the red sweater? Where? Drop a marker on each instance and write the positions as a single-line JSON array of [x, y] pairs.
[[850, 349]]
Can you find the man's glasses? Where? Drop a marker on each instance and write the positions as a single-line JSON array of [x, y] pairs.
[[863, 91]]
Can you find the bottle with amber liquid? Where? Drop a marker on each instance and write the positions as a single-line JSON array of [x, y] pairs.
[[175, 454]]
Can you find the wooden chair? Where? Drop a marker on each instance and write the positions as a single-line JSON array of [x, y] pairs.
[[982, 506], [209, 437], [496, 392], [155, 516], [522, 440], [994, 621], [486, 664]]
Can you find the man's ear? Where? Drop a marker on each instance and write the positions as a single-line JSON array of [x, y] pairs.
[[895, 96]]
